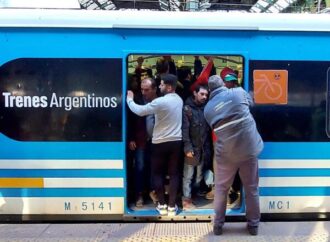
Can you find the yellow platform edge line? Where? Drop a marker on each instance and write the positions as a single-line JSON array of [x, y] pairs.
[[21, 183]]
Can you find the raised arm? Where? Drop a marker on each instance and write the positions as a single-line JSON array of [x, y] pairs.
[[141, 110]]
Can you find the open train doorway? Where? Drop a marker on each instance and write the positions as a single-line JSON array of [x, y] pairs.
[[196, 187]]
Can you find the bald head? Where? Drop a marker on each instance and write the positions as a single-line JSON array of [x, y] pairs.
[[148, 89]]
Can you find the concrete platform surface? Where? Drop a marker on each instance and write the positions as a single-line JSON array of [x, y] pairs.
[[199, 231]]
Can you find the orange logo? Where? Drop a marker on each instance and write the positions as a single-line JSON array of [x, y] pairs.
[[270, 86]]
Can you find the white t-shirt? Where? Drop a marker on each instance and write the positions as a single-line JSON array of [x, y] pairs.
[[168, 116]]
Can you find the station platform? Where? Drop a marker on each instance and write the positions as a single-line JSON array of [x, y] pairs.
[[193, 231]]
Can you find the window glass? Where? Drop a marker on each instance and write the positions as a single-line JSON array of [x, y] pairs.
[[302, 118], [328, 103], [140, 66], [61, 99]]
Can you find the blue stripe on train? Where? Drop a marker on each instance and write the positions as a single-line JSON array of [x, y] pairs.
[[293, 172], [294, 191], [296, 150], [62, 173], [11, 149], [62, 192]]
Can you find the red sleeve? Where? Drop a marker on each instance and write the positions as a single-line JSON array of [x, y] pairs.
[[214, 137], [204, 76]]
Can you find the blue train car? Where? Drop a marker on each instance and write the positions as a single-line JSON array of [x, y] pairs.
[[63, 115]]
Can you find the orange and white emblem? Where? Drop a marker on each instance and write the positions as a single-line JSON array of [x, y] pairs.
[[270, 86]]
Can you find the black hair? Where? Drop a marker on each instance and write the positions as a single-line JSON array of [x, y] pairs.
[[199, 87], [169, 79], [147, 70], [183, 73], [162, 66]]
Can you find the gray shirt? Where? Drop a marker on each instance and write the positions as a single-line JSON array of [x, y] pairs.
[[168, 116]]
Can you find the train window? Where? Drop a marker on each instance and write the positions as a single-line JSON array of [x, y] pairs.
[[302, 117], [328, 103], [61, 99], [180, 65]]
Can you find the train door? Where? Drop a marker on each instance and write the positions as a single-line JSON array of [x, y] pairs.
[[141, 197]]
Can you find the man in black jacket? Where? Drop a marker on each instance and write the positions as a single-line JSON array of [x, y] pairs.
[[197, 145]]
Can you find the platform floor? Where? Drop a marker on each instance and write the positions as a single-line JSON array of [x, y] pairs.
[[135, 232]]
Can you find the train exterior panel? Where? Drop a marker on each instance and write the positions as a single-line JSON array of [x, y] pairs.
[[63, 113]]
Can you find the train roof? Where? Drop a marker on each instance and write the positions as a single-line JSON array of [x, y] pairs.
[[128, 19]]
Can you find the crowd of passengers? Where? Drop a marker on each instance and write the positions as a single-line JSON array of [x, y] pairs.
[[170, 153]]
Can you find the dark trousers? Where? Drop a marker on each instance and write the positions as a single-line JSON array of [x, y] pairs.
[[165, 158], [142, 173]]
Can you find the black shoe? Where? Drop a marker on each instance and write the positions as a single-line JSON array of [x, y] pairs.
[[217, 229], [253, 230]]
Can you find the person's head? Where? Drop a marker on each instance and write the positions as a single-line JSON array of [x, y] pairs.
[[200, 94], [162, 66], [226, 71], [215, 82], [231, 80], [184, 73], [148, 89], [145, 73], [167, 83], [229, 77], [140, 60], [167, 57]]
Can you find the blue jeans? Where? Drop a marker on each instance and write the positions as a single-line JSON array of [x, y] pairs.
[[188, 174], [139, 170]]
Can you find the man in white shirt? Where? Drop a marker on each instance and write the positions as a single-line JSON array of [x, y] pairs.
[[166, 140]]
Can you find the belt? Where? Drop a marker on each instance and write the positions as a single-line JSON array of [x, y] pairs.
[[226, 122]]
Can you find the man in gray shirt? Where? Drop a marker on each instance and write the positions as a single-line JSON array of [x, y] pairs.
[[166, 140], [236, 149]]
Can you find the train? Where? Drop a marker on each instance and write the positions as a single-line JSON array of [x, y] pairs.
[[63, 115]]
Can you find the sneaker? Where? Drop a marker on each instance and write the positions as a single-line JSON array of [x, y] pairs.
[[172, 211], [217, 229], [153, 197], [210, 194], [253, 230], [187, 204], [162, 209], [139, 202]]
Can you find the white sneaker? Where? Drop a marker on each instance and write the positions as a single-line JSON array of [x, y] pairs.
[[172, 211], [162, 209]]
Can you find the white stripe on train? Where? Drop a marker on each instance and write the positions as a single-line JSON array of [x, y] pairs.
[[294, 163], [61, 164]]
